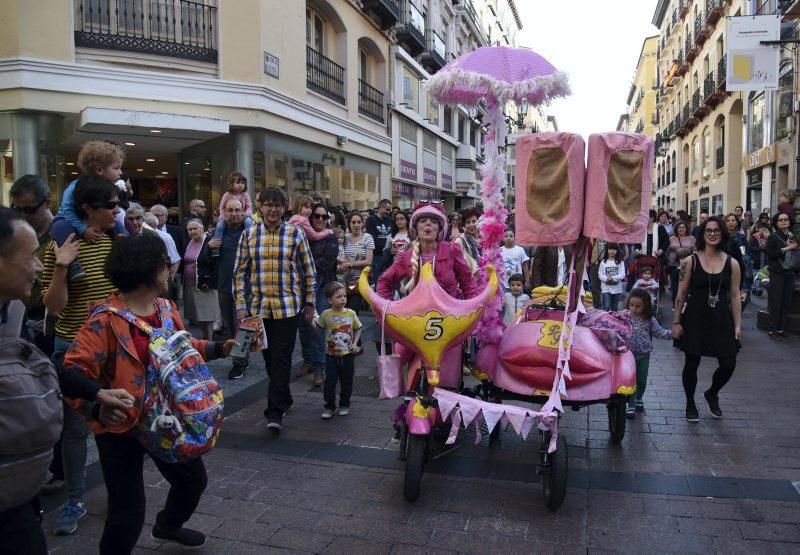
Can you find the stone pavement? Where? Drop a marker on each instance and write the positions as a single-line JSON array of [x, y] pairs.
[[727, 485]]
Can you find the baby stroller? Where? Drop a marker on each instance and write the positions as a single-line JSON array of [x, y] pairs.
[[644, 261]]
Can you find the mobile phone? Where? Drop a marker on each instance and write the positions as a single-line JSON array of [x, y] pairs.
[[245, 339]]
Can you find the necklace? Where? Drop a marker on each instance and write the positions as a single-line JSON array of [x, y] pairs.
[[714, 299], [127, 303]]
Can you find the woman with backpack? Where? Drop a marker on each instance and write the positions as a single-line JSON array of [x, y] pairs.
[[115, 347]]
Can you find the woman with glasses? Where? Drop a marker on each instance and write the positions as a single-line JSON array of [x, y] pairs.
[[95, 202], [781, 280], [708, 313], [399, 238], [324, 252]]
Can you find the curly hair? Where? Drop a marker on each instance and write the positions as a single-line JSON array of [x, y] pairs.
[[233, 178], [96, 154], [136, 261]]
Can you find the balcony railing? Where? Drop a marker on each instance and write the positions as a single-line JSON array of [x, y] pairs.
[[720, 157], [435, 56], [411, 31], [324, 76], [722, 68], [370, 101], [709, 86], [700, 32], [176, 28], [714, 11], [388, 11]]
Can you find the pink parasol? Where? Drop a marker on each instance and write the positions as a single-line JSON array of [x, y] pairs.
[[496, 75]]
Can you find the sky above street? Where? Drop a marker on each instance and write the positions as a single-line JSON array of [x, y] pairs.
[[597, 44]]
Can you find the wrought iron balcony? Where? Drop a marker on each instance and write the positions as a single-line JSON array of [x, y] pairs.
[[700, 28], [720, 157], [370, 101], [722, 69], [714, 11], [324, 76], [690, 48], [467, 9], [709, 87], [683, 5], [387, 11], [411, 29], [435, 56], [176, 28]]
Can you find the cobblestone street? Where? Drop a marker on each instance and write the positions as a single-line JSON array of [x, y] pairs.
[[726, 485]]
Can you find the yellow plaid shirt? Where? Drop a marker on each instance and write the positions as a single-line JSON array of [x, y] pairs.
[[277, 267]]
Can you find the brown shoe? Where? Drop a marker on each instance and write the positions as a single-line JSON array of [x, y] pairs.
[[305, 369], [319, 379]]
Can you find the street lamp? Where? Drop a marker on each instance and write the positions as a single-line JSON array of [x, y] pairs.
[[664, 146]]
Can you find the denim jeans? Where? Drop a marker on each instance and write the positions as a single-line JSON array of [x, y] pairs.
[[312, 340], [611, 301], [73, 439]]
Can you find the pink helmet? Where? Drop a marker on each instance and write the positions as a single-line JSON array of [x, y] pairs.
[[432, 211]]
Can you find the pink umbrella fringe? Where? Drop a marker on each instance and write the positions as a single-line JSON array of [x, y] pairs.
[[459, 86]]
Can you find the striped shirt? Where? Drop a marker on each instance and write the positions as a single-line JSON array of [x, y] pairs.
[[83, 293], [277, 268]]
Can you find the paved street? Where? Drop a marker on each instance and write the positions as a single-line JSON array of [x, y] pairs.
[[726, 485]]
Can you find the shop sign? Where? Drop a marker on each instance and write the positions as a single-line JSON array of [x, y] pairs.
[[423, 193], [761, 157], [272, 65], [428, 176], [753, 66], [704, 190], [408, 170], [447, 181], [402, 189]]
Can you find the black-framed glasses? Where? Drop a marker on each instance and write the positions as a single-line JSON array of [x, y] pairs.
[[29, 210], [782, 219], [108, 205], [320, 216], [713, 232]]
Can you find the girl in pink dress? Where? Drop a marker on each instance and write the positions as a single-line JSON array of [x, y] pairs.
[[303, 207], [237, 189]]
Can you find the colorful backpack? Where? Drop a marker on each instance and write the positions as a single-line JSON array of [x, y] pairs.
[[182, 406]]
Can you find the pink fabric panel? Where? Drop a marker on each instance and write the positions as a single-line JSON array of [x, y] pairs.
[[602, 147], [538, 231]]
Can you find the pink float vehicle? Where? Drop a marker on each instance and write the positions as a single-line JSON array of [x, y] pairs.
[[543, 357]]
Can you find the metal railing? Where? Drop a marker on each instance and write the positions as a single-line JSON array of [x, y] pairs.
[[720, 157], [709, 85], [177, 28], [696, 103], [700, 27], [722, 68], [324, 76], [370, 101]]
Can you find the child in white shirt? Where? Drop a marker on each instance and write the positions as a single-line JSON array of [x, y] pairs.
[[612, 276], [515, 299]]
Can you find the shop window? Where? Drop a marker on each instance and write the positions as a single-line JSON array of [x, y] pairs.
[[784, 101], [717, 205], [756, 121]]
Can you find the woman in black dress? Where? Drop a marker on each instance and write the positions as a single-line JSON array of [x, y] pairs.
[[781, 280], [708, 313]]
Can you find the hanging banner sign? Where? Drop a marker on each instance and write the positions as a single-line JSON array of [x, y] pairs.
[[752, 66]]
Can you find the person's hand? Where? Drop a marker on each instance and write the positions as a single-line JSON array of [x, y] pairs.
[[67, 252], [637, 252], [111, 416], [677, 331], [737, 333], [792, 245], [227, 346], [92, 234], [659, 252], [309, 312], [241, 315], [742, 295], [115, 399], [214, 243]]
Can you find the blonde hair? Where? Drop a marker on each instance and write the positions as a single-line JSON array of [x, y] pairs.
[[788, 194], [301, 201], [98, 153]]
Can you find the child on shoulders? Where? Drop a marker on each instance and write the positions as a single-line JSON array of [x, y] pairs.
[[237, 189]]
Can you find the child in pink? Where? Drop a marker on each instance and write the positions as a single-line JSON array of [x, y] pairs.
[[237, 189], [303, 207], [647, 282]]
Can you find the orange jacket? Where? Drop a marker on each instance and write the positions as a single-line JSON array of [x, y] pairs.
[[104, 351]]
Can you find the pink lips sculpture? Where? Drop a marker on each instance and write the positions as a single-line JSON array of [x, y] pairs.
[[428, 320]]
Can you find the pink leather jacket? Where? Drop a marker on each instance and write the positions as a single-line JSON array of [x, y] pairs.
[[451, 271]]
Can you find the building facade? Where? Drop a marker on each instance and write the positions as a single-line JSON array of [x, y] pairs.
[[769, 138], [198, 89], [700, 137], [437, 149]]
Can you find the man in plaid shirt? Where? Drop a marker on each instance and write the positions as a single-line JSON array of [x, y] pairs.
[[274, 262]]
